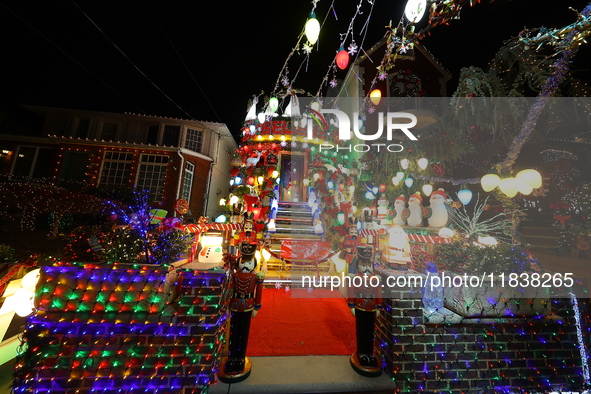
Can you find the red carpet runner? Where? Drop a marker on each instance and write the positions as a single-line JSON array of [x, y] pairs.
[[287, 326]]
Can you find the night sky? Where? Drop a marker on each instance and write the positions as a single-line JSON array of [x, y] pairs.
[[53, 55]]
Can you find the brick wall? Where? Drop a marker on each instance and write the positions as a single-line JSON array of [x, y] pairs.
[[452, 354], [123, 331]]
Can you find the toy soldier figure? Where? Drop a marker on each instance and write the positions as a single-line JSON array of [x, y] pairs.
[[365, 302], [349, 244], [245, 302]]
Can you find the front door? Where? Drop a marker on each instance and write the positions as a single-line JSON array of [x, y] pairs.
[[292, 176]]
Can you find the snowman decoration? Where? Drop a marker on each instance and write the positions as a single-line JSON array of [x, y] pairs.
[[396, 251], [211, 247], [399, 211], [438, 213], [415, 209]]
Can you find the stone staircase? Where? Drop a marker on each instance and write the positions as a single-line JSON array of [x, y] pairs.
[[293, 222], [538, 231]]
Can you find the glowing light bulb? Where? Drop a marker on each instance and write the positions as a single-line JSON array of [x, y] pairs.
[[375, 96], [312, 29]]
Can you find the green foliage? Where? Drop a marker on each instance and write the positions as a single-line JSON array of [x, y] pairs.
[[170, 245], [122, 245], [126, 245]]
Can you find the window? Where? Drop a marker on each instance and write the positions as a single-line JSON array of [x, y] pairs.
[[33, 162], [194, 140], [153, 134], [171, 135], [82, 128], [152, 175], [109, 131], [188, 181], [116, 168], [74, 166]]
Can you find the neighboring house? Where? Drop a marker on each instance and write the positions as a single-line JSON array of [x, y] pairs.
[[171, 158]]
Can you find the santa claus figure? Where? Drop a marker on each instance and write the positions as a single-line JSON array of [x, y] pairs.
[[396, 249], [245, 302], [365, 302]]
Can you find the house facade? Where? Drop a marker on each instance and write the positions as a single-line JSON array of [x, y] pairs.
[[170, 158]]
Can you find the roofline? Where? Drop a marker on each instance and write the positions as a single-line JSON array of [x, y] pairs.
[[207, 124], [417, 45]]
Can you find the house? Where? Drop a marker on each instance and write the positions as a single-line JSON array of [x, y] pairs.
[[171, 158]]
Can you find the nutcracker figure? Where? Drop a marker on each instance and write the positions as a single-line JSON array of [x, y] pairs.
[[349, 244], [245, 302], [248, 234], [365, 302]]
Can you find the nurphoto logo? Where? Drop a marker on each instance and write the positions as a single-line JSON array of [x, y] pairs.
[[344, 131]]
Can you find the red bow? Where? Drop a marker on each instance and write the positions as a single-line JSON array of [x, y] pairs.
[[562, 219]]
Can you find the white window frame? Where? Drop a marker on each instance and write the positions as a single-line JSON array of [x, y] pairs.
[[156, 191], [199, 139], [116, 161], [188, 178]]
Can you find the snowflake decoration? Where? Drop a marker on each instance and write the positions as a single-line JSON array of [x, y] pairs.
[[352, 48], [278, 285], [307, 48], [371, 109], [285, 81], [309, 290], [333, 83], [382, 75], [287, 289], [404, 48]]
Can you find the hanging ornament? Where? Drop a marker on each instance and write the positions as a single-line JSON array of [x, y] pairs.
[[273, 104], [531, 178], [409, 182], [312, 28], [414, 10], [375, 96], [342, 59], [489, 182], [438, 169], [509, 186], [465, 196], [423, 163], [261, 117], [404, 164]]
